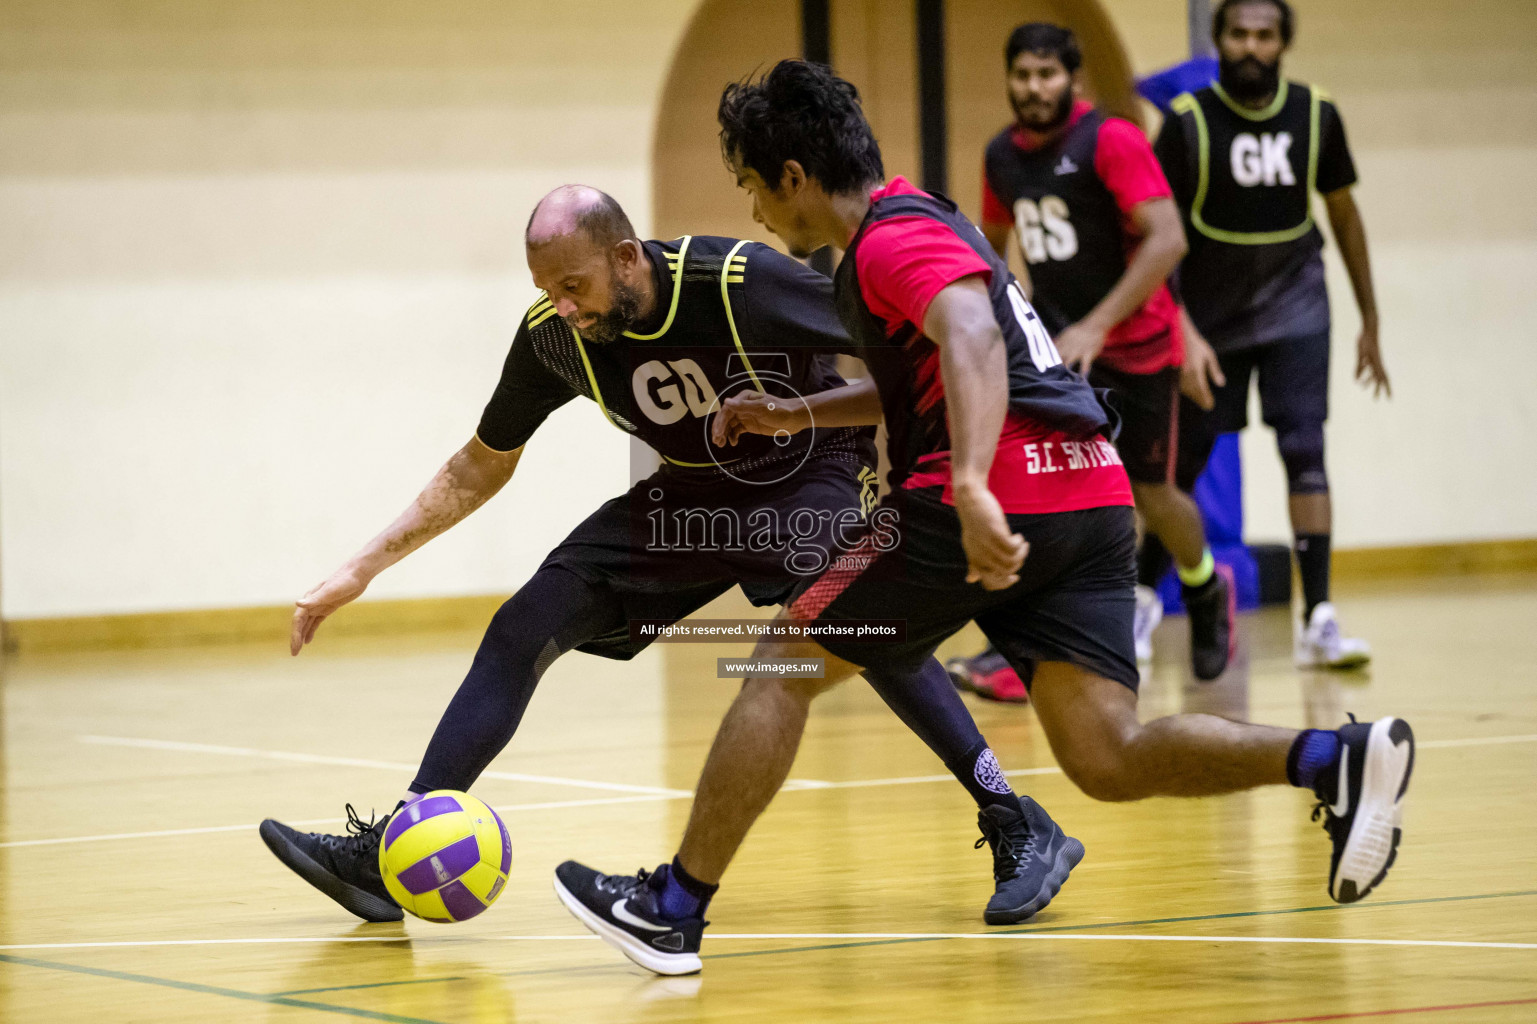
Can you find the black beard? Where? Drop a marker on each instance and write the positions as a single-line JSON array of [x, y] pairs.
[[620, 317], [1058, 117], [1249, 78]]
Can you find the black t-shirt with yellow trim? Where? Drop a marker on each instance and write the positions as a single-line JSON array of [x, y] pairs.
[[1244, 180], [730, 315]]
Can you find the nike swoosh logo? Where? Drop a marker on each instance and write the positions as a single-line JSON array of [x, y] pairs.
[[1342, 795], [621, 914]]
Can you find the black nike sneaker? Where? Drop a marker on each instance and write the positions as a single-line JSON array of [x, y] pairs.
[[345, 868], [625, 912], [1211, 607], [1032, 858], [1365, 821]]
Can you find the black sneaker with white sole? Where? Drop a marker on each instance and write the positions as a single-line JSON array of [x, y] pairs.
[[1211, 608], [345, 868], [1032, 858], [624, 911], [1365, 818]]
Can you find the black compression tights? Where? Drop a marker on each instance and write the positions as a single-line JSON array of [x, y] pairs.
[[553, 612], [556, 611]]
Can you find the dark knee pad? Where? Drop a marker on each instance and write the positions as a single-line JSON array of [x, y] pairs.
[[1302, 451]]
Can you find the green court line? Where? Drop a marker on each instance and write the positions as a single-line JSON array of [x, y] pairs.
[[375, 984], [1136, 924], [1272, 913], [1000, 931], [603, 967], [212, 990]]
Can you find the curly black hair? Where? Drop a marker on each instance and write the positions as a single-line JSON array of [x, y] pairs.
[[1047, 40], [800, 111], [1288, 19]]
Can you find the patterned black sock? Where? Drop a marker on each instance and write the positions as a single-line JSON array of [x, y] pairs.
[[1313, 563], [978, 771]]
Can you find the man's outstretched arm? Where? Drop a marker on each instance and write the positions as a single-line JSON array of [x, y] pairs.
[[469, 479], [855, 404], [973, 363]]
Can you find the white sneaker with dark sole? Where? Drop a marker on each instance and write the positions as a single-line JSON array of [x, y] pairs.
[[1322, 645]]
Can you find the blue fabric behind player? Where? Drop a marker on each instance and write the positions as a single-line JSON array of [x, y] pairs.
[[1161, 87], [1219, 491]]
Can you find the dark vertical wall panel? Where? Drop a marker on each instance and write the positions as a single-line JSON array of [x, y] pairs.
[[933, 130]]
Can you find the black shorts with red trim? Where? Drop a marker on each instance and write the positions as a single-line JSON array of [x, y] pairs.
[[1149, 405], [679, 539], [1074, 601]]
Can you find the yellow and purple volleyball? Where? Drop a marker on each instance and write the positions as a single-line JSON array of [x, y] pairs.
[[445, 856]]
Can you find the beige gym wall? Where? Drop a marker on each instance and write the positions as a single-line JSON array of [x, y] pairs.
[[261, 263]]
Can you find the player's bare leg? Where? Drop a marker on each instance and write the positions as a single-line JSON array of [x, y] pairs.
[[656, 918], [1092, 725], [1172, 515], [1359, 772], [1311, 513], [751, 757], [1321, 644]]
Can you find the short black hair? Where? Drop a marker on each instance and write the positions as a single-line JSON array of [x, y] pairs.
[[800, 111], [1046, 39], [1288, 19]]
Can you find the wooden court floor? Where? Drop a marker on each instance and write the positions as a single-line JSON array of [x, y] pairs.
[[135, 887]]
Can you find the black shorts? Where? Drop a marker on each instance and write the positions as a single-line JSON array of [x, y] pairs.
[[679, 539], [1149, 407], [1293, 394], [1074, 601]]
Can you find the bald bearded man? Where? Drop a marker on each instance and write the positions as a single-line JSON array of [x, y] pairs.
[[657, 334]]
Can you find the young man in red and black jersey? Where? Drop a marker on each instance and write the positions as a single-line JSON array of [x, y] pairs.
[[1100, 232], [1013, 511], [654, 333]]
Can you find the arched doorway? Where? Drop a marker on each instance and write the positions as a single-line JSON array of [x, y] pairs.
[[874, 46]]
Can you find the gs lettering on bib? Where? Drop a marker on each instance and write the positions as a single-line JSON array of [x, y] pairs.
[[1046, 229], [1068, 222]]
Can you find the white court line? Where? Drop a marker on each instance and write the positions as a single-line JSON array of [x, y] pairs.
[[791, 786], [1480, 741], [794, 785], [547, 805], [816, 936], [363, 762]]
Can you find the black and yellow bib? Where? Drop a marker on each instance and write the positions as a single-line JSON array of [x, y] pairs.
[[1255, 170], [663, 386]]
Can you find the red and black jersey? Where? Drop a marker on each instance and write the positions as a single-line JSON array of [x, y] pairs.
[[1053, 455], [1070, 200]]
